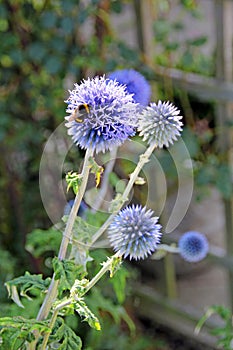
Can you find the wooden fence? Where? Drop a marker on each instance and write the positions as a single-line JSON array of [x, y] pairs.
[[165, 308]]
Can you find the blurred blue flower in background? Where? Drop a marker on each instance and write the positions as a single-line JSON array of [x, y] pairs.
[[160, 123], [82, 209], [109, 115], [135, 83], [134, 232], [193, 246]]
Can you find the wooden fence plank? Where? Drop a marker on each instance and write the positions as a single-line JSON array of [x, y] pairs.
[[207, 89], [224, 67], [181, 318]]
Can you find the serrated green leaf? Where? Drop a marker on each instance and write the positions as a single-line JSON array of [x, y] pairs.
[[67, 272], [63, 337], [23, 285], [41, 241], [16, 331]]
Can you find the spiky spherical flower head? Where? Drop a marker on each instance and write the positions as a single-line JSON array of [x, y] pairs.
[[193, 246], [135, 83], [102, 114], [134, 232], [160, 124]]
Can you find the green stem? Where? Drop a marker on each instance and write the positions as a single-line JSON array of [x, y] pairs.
[[52, 291], [102, 271], [51, 325], [168, 248], [144, 158]]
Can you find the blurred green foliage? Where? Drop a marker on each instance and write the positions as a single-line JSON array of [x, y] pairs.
[[174, 49]]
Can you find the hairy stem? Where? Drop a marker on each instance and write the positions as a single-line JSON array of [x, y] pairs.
[[144, 158], [168, 248], [67, 235], [105, 268]]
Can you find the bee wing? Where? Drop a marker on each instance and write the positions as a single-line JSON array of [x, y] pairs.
[[75, 116]]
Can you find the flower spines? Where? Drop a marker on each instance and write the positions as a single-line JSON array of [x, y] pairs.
[[111, 118], [134, 232], [135, 84], [160, 124]]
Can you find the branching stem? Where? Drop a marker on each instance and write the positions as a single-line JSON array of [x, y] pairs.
[[52, 291], [144, 158]]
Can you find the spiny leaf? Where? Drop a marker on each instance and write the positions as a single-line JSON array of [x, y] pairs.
[[115, 265], [83, 311], [26, 284], [79, 288], [73, 180], [140, 181]]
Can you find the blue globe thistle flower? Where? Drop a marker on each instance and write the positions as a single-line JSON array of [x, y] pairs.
[[134, 232], [135, 83], [193, 246], [108, 116], [160, 123]]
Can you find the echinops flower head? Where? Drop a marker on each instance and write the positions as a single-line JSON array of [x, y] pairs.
[[134, 232], [136, 84], [102, 114], [193, 246], [160, 124]]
